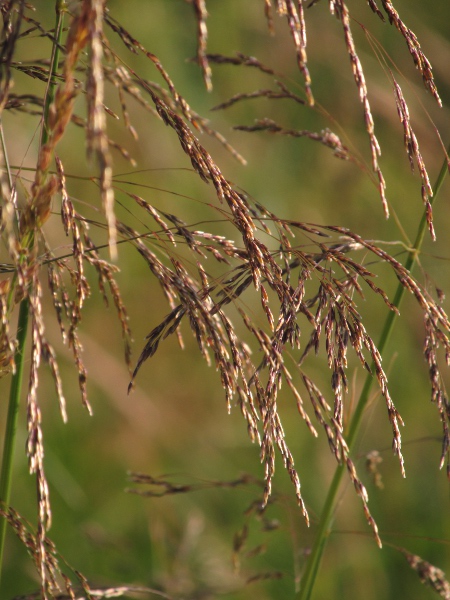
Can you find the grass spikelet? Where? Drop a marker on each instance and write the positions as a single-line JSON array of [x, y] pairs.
[[428, 574], [296, 19], [339, 8], [325, 137], [96, 123], [202, 36], [419, 58]]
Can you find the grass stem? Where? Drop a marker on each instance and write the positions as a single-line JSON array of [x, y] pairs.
[[11, 421]]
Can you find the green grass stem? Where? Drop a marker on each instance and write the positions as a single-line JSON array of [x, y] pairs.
[[11, 421]]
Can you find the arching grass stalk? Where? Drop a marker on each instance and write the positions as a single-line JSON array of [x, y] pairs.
[[324, 528], [22, 324]]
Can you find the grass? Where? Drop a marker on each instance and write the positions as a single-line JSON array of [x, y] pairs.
[[281, 306]]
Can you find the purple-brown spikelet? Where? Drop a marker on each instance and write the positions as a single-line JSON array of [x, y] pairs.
[[429, 574]]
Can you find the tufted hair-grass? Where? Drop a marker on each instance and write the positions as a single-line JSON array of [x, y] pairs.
[[308, 278]]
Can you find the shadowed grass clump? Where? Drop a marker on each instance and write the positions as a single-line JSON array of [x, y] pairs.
[[307, 280]]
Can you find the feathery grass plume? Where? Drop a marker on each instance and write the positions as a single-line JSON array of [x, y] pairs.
[[336, 318], [330, 139], [306, 278]]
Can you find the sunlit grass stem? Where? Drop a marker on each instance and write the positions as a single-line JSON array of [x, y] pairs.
[[22, 324], [326, 519]]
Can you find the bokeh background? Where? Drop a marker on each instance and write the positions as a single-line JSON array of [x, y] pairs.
[[175, 423]]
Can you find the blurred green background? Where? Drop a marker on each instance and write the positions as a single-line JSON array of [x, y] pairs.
[[175, 423]]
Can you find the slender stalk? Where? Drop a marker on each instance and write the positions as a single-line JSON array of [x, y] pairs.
[[22, 325], [11, 422], [326, 519]]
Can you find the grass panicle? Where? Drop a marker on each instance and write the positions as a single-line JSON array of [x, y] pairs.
[[308, 280]]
